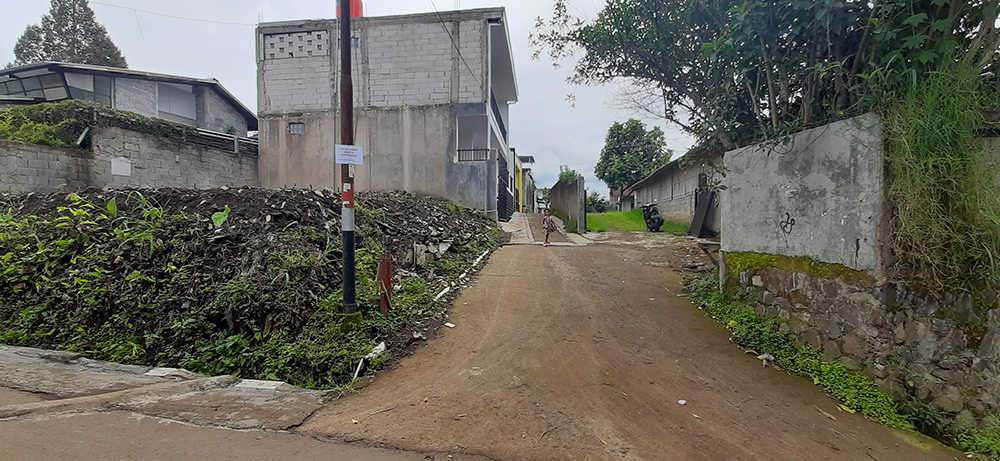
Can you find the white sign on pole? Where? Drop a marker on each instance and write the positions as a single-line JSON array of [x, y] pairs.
[[349, 155]]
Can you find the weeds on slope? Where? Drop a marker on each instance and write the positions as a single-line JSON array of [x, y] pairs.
[[981, 440], [761, 334], [130, 282]]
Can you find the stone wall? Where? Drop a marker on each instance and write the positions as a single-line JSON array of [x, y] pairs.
[[803, 232], [568, 198], [819, 195], [919, 343], [122, 158]]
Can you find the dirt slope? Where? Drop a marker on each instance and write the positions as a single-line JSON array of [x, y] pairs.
[[583, 353]]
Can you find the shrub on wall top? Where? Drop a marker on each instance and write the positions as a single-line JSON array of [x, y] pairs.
[[62, 123]]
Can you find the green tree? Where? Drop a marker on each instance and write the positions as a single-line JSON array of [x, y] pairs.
[[630, 153], [596, 203], [567, 174], [68, 33], [733, 72]]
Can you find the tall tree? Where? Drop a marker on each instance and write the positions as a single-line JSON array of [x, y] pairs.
[[68, 33], [630, 153], [732, 72]]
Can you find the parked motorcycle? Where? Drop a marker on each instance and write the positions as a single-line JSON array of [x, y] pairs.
[[651, 214]]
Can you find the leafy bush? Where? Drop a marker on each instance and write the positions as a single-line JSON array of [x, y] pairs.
[[567, 174], [62, 123], [129, 282], [946, 211]]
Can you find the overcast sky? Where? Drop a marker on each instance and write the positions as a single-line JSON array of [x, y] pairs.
[[542, 123]]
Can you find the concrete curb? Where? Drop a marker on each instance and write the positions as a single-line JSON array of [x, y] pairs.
[[118, 399]]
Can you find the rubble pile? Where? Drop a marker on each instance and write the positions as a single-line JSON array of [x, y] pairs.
[[420, 229], [240, 280]]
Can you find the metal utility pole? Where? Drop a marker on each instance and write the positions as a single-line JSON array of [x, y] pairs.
[[347, 171]]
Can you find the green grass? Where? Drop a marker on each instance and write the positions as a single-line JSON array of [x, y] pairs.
[[762, 334], [627, 221]]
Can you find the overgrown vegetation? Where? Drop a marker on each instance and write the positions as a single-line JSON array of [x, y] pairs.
[[737, 262], [946, 209], [17, 127], [628, 221], [630, 153], [61, 124], [567, 174], [124, 279], [762, 335]]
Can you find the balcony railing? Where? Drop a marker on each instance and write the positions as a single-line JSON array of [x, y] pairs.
[[497, 116], [473, 155]]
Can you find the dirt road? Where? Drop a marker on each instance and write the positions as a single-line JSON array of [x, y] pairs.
[[583, 353], [125, 435]]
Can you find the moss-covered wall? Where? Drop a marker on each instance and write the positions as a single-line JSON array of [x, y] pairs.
[[921, 343]]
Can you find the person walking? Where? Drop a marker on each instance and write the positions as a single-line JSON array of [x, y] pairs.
[[548, 225]]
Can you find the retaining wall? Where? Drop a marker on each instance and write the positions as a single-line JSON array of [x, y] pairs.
[[569, 198], [804, 231], [919, 343], [818, 195], [123, 158]]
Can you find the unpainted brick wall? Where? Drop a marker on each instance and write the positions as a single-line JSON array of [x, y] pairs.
[[136, 95], [295, 84], [154, 163], [221, 115], [395, 65]]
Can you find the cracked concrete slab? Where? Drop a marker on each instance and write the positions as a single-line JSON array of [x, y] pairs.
[[71, 383], [62, 375]]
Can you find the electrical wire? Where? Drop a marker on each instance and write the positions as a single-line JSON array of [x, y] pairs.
[[173, 17], [455, 44]]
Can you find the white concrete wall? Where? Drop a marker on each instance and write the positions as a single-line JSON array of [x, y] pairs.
[[819, 196]]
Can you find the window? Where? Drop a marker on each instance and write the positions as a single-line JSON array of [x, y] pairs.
[[296, 127], [176, 103]]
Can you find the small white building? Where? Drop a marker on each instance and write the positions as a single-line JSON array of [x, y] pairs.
[[674, 188]]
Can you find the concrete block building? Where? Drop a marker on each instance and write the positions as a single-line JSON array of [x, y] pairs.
[[431, 97], [674, 189], [200, 103]]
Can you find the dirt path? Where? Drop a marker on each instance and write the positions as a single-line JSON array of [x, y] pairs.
[[583, 353], [535, 221], [121, 435]]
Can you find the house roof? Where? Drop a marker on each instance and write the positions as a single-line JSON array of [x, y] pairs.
[[661, 171], [26, 71], [526, 158]]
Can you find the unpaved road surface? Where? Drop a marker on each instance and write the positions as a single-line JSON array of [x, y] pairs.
[[583, 353]]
